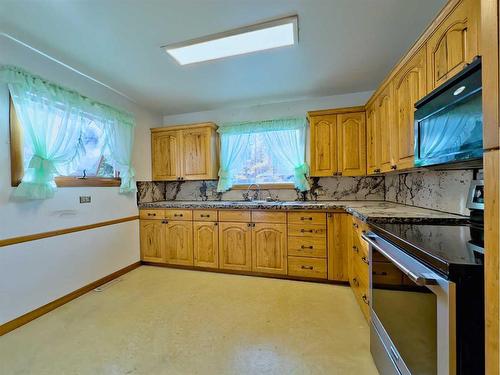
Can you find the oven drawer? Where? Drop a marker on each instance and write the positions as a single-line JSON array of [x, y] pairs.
[[307, 246], [307, 267], [307, 230]]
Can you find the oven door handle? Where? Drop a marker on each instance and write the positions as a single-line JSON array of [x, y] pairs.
[[418, 278]]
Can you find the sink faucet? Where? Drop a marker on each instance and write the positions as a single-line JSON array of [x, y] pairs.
[[256, 194]]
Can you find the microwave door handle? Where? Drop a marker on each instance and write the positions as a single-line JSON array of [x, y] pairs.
[[417, 278]]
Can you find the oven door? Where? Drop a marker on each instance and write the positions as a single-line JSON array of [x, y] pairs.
[[412, 311]]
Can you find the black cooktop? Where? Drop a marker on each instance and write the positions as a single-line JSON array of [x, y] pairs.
[[449, 249]]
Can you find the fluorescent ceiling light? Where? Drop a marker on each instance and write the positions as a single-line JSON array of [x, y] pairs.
[[260, 37]]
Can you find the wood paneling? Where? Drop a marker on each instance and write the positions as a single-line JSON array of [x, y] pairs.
[[339, 227], [28, 317], [179, 242], [235, 216], [152, 235], [269, 248], [235, 246], [323, 149], [307, 267], [206, 244], [268, 217], [492, 263], [409, 87], [351, 143], [165, 155]]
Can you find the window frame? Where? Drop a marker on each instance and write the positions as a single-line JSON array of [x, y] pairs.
[[16, 160]]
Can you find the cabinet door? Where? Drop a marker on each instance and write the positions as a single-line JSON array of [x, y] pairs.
[[235, 246], [372, 141], [351, 143], [339, 230], [206, 244], [454, 43], [196, 154], [152, 233], [165, 151], [410, 86], [385, 119], [323, 147], [269, 249], [179, 242]]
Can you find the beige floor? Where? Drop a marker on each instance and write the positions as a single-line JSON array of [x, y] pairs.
[[167, 321]]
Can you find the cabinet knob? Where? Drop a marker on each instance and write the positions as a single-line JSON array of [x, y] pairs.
[[355, 249], [394, 167], [355, 225], [355, 281], [164, 221], [377, 170], [365, 259], [365, 299]]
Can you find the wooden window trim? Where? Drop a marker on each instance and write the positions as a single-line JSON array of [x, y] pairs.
[[16, 160], [278, 186]]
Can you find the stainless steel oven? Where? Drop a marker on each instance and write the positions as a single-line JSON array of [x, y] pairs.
[[413, 313]]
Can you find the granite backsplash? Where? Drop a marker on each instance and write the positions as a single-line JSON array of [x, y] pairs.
[[439, 190]]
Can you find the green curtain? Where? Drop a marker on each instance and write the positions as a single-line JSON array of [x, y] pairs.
[[285, 139], [52, 118]]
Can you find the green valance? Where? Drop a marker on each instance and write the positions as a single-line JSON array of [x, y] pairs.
[[250, 127], [29, 82]]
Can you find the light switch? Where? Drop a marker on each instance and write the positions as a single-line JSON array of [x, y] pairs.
[[85, 199]]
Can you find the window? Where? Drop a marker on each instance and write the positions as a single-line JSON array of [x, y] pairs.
[[93, 169], [258, 165]]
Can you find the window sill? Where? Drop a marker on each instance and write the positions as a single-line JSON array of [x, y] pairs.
[[264, 186], [89, 181]]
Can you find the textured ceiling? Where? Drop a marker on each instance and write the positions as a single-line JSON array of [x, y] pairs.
[[345, 46]]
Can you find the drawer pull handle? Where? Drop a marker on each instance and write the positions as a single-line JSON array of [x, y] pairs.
[[306, 230], [164, 221], [365, 299], [355, 281], [306, 218], [365, 260], [383, 273], [355, 249], [377, 170], [307, 267], [150, 214], [306, 247], [178, 215], [355, 225], [204, 215]]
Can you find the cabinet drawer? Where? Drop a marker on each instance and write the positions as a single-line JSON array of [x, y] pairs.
[[307, 267], [361, 270], [361, 295], [305, 217], [306, 230], [268, 217], [234, 216], [152, 214], [387, 274], [205, 215], [180, 215], [307, 246], [359, 245]]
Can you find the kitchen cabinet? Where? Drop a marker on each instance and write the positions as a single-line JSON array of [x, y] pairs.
[[351, 143], [339, 227], [269, 248], [152, 236], [185, 152], [453, 43], [385, 123], [206, 244], [235, 246], [372, 141], [338, 142], [409, 87], [179, 242], [358, 266]]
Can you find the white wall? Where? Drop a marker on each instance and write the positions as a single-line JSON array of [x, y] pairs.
[[271, 110], [34, 273]]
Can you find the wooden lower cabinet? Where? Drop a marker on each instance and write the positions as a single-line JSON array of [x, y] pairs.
[[269, 248], [235, 246], [307, 267], [206, 244], [152, 234], [179, 242], [339, 225]]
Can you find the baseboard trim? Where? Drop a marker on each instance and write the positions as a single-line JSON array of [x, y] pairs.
[[28, 317], [59, 232], [246, 273]]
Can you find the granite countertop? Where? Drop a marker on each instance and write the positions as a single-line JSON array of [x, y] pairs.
[[369, 211]]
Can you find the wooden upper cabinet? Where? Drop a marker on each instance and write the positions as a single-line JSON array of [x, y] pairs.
[[351, 142], [185, 152], [372, 141], [152, 234], [235, 246], [454, 43], [409, 87], [179, 242], [165, 152], [269, 248], [206, 244], [385, 123], [323, 145]]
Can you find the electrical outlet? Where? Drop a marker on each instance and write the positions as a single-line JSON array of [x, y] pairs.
[[85, 199]]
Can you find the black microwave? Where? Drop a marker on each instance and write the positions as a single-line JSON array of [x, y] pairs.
[[449, 121]]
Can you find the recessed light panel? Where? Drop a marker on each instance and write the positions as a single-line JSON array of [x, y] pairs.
[[264, 36]]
